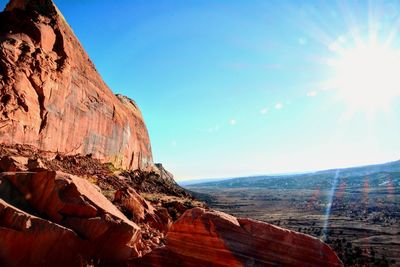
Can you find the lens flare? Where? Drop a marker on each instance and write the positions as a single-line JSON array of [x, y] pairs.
[[366, 76], [329, 205]]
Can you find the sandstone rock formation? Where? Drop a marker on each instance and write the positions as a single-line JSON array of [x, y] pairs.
[[41, 187], [107, 235], [52, 97], [211, 238]]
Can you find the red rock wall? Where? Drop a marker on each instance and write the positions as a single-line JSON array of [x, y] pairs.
[[52, 97]]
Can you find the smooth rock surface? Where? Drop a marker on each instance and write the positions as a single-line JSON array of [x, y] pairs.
[[52, 97], [210, 238]]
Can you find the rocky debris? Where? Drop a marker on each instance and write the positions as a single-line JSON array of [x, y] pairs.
[[36, 165], [26, 180], [151, 239], [133, 204], [164, 174], [141, 211], [153, 182], [13, 163], [210, 238], [52, 97], [105, 175]]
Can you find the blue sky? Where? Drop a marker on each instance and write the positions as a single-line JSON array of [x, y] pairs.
[[233, 88]]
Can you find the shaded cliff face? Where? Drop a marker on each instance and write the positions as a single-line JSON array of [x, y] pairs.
[[52, 97]]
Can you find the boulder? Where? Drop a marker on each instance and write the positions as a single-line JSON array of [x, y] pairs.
[[13, 163], [76, 204], [26, 240]]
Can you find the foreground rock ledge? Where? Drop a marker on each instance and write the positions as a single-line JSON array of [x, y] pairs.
[[210, 238], [27, 240], [92, 227]]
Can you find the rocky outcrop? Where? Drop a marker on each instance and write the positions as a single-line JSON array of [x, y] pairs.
[[63, 199], [210, 238], [164, 174], [52, 97]]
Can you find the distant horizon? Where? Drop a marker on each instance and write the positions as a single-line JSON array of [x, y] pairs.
[[192, 181], [242, 87]]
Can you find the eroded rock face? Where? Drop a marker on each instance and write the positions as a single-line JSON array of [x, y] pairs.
[[63, 199], [211, 238], [52, 97]]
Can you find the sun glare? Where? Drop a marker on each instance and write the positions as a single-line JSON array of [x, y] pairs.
[[367, 76]]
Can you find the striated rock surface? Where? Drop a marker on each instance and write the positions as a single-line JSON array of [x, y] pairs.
[[210, 238], [52, 97]]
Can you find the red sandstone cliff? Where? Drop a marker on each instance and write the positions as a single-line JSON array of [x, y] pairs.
[[52, 97], [62, 209]]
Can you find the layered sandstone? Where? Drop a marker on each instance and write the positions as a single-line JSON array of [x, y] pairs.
[[210, 238], [52, 97]]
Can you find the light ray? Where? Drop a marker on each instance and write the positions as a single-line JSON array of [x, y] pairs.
[[329, 205]]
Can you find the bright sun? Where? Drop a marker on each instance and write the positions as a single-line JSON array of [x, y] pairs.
[[367, 76]]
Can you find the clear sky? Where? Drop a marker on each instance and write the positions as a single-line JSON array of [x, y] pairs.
[[234, 88]]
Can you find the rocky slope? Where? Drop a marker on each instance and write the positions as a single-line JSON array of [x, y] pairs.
[[80, 207], [77, 182], [50, 92]]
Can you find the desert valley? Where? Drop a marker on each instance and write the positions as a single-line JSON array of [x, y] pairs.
[[354, 210]]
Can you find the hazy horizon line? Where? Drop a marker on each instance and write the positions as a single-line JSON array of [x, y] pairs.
[[287, 173]]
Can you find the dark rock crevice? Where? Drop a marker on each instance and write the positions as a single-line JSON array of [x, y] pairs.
[[41, 99], [60, 50]]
